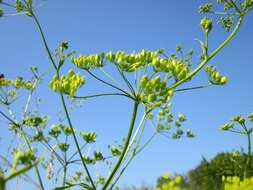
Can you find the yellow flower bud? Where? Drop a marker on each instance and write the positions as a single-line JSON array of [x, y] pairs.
[[224, 80], [206, 24]]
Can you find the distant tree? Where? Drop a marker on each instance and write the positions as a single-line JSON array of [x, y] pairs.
[[208, 175]]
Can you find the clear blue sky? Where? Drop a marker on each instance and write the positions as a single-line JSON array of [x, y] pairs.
[[98, 25]]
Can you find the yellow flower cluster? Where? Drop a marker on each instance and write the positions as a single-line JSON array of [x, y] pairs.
[[67, 84], [130, 62], [17, 83], [176, 67], [89, 62], [234, 183], [172, 184], [155, 91]]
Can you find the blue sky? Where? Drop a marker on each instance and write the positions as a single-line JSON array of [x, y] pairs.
[[97, 25]]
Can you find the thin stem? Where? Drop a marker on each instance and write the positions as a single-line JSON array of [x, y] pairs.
[[193, 88], [109, 76], [117, 165], [126, 81], [30, 97], [62, 99], [111, 85], [98, 95], [75, 153], [36, 167], [7, 4], [131, 159], [235, 6], [51, 149], [235, 131], [27, 144], [44, 40], [64, 175], [205, 61], [75, 138], [146, 143], [136, 132]]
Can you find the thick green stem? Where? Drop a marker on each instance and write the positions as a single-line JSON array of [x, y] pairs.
[[248, 165], [205, 61], [248, 160], [131, 159], [117, 165]]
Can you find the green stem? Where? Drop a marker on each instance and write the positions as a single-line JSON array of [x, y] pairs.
[[248, 161], [36, 167], [49, 148], [28, 145], [75, 153], [111, 85], [64, 175], [8, 5], [207, 42], [204, 62], [98, 95], [193, 88], [109, 76], [136, 132], [126, 81], [117, 165], [75, 138], [44, 40], [62, 99], [131, 159], [249, 153]]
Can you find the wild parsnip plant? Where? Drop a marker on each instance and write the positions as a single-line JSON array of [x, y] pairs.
[[238, 125], [151, 79]]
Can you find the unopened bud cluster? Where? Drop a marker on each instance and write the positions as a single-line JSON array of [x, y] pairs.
[[67, 84], [18, 83], [227, 126], [132, 61], [238, 119], [215, 77], [206, 8], [57, 129], [89, 62], [207, 24], [89, 137], [176, 67], [168, 125], [155, 91], [251, 117], [34, 121], [23, 157]]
